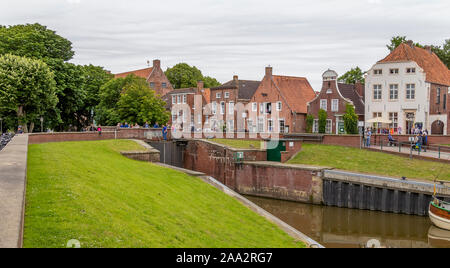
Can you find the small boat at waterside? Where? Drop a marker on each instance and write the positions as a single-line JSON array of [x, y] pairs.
[[439, 213]]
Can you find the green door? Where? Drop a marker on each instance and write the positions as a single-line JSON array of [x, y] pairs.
[[341, 127], [275, 154]]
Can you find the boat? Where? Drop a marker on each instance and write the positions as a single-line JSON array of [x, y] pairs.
[[439, 213]]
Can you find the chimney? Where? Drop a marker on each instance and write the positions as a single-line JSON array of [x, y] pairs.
[[200, 86], [359, 87], [157, 64], [410, 43], [269, 71], [428, 48]]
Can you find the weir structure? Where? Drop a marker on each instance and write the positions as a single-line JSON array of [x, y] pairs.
[[255, 176]]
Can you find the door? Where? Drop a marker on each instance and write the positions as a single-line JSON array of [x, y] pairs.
[[275, 154]]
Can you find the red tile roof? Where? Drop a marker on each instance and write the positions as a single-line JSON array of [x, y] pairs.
[[435, 69], [296, 90], [144, 73]]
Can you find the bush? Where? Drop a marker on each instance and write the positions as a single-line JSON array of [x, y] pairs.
[[322, 120], [309, 123], [350, 120]]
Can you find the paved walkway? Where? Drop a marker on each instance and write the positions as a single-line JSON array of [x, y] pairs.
[[407, 151], [13, 165]]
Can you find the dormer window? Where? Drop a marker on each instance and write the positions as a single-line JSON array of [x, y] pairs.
[[329, 91], [377, 71]]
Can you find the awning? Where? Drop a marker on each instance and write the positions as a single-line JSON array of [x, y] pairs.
[[379, 120]]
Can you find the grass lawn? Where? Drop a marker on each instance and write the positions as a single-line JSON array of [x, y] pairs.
[[354, 159], [89, 192], [239, 144]]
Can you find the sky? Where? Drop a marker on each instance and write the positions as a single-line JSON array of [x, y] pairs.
[[235, 37]]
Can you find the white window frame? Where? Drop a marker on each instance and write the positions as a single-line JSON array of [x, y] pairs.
[[270, 125], [218, 95], [335, 105], [226, 95], [231, 107], [178, 99], [393, 91], [222, 107], [378, 71], [329, 126], [279, 106], [281, 129], [410, 91], [174, 99], [214, 107], [184, 98], [324, 104], [377, 92], [254, 106], [316, 126]]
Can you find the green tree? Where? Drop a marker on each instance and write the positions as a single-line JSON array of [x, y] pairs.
[[183, 75], [34, 41], [350, 120], [355, 74], [395, 42], [28, 87], [309, 123], [322, 120]]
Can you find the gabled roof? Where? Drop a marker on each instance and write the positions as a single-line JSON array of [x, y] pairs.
[[348, 91], [144, 73], [246, 88], [296, 90], [435, 69]]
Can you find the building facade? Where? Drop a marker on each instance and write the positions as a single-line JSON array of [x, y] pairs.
[[285, 96], [155, 77], [409, 88], [333, 98]]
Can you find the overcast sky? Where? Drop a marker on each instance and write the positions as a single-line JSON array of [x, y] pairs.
[[227, 37]]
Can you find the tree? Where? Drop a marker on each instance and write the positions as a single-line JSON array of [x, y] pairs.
[[350, 120], [28, 87], [322, 120], [395, 42], [34, 41], [309, 123], [129, 99], [183, 75], [355, 74]]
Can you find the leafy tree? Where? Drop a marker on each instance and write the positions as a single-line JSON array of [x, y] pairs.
[[395, 42], [350, 120], [34, 41], [322, 120], [129, 99], [28, 87], [210, 82], [138, 104], [309, 123], [183, 75], [355, 74]]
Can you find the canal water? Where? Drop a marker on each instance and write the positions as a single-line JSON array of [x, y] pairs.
[[341, 227]]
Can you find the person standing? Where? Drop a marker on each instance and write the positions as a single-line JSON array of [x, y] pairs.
[[424, 140], [164, 132], [369, 135]]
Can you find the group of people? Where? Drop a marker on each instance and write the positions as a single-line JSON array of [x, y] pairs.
[[420, 139], [136, 125]]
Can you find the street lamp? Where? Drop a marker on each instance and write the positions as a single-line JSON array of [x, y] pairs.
[[42, 121]]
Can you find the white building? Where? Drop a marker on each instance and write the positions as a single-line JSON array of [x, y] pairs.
[[410, 88]]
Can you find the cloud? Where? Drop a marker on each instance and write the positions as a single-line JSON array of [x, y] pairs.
[[227, 37]]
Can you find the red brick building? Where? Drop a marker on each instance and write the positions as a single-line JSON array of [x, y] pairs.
[[223, 103], [333, 98], [155, 77], [285, 96]]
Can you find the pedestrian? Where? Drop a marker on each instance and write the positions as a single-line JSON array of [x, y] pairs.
[[146, 125], [425, 140], [164, 132], [369, 134], [99, 130], [156, 125]]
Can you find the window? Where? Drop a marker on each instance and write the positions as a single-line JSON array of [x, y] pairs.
[[410, 70], [227, 95], [376, 115], [184, 98], [178, 99], [444, 102], [281, 125], [222, 107], [279, 105], [254, 106], [260, 124], [231, 107], [393, 92], [393, 71], [230, 125], [323, 105], [268, 107], [174, 99], [218, 95], [377, 92], [334, 105], [329, 126], [164, 85], [152, 84], [394, 118], [377, 71], [214, 107], [261, 108], [316, 126], [410, 91], [270, 125], [438, 96]]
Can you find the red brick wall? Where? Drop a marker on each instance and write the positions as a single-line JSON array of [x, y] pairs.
[[436, 108], [291, 151], [158, 77]]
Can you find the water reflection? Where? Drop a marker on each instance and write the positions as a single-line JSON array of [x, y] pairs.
[[342, 227]]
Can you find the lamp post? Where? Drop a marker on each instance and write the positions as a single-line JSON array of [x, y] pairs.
[[42, 126]]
